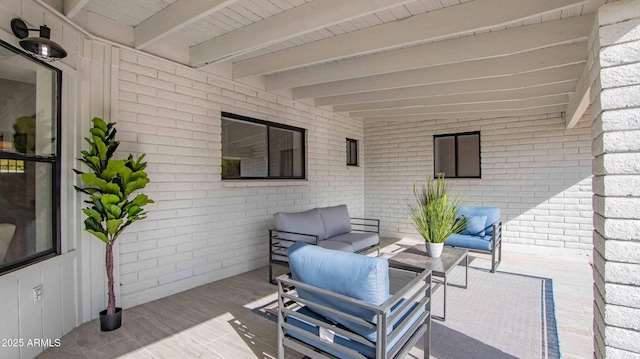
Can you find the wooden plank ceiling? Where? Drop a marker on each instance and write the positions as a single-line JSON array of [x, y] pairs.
[[381, 59]]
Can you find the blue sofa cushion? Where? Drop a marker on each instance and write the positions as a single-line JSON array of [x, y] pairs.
[[339, 339], [471, 242], [475, 226], [308, 222], [336, 220], [492, 214], [356, 276], [358, 240]]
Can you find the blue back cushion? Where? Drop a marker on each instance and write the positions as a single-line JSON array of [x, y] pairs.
[[357, 276], [336, 220], [308, 222], [475, 226], [492, 214]]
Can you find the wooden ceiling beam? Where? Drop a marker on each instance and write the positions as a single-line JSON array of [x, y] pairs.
[[72, 7], [580, 100], [173, 18], [527, 80], [286, 25], [489, 106], [471, 115], [465, 18], [562, 88], [486, 68], [484, 46]]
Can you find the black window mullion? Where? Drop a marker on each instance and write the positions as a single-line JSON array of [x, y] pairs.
[[268, 151], [455, 154]]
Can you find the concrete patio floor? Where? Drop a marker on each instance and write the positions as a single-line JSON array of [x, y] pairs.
[[215, 320]]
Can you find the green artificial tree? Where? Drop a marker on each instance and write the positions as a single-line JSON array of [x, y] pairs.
[[110, 184]]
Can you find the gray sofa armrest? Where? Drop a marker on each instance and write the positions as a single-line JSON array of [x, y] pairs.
[[369, 225]]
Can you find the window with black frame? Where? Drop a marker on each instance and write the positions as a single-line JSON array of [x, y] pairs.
[[29, 162], [457, 155], [257, 149], [352, 152]]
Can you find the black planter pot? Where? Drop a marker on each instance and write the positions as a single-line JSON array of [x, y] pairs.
[[110, 322]]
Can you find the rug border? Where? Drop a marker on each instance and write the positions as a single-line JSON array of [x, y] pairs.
[[553, 339]]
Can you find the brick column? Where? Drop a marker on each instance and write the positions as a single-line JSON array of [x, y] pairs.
[[614, 60]]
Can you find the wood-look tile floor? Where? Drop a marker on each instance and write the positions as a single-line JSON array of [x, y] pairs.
[[215, 320]]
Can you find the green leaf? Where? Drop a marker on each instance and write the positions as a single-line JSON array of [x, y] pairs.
[[115, 210], [92, 213], [125, 175], [108, 199], [112, 147], [133, 186], [92, 180], [95, 161], [101, 147], [99, 123], [113, 225], [113, 188], [141, 200], [97, 132], [134, 211], [101, 236], [93, 224], [114, 167]]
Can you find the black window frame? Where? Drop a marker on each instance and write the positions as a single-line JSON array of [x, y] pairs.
[[268, 125], [349, 142], [56, 172], [455, 136]]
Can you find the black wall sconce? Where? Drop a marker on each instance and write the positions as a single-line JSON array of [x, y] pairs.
[[41, 47]]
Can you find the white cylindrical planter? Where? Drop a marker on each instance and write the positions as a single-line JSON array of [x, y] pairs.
[[434, 249]]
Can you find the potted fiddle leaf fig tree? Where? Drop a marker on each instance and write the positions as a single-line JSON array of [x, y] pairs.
[[433, 214], [112, 206]]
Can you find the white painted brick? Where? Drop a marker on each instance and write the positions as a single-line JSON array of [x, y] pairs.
[[512, 163]]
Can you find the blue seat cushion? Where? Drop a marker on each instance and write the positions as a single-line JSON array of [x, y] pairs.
[[353, 275], [336, 220], [471, 242], [339, 339], [475, 226], [492, 214], [358, 240]]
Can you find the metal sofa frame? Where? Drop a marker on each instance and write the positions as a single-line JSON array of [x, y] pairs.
[[416, 291], [363, 225]]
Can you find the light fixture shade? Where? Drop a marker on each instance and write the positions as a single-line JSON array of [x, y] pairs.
[[41, 47]]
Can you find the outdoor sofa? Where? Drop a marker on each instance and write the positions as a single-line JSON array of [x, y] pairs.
[[483, 232], [341, 306], [327, 227]]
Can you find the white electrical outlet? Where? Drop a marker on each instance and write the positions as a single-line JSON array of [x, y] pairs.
[[37, 293]]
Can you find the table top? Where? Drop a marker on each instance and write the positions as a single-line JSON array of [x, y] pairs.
[[416, 259]]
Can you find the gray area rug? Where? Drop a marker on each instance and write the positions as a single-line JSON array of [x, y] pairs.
[[499, 316]]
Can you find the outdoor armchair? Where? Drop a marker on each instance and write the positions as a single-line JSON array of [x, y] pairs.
[[337, 304], [483, 232]]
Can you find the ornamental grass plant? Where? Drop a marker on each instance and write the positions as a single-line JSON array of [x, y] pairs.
[[433, 211]]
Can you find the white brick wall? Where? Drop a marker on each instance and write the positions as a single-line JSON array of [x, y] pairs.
[[202, 229], [535, 170], [615, 96]]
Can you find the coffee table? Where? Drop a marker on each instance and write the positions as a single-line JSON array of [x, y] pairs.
[[415, 259]]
